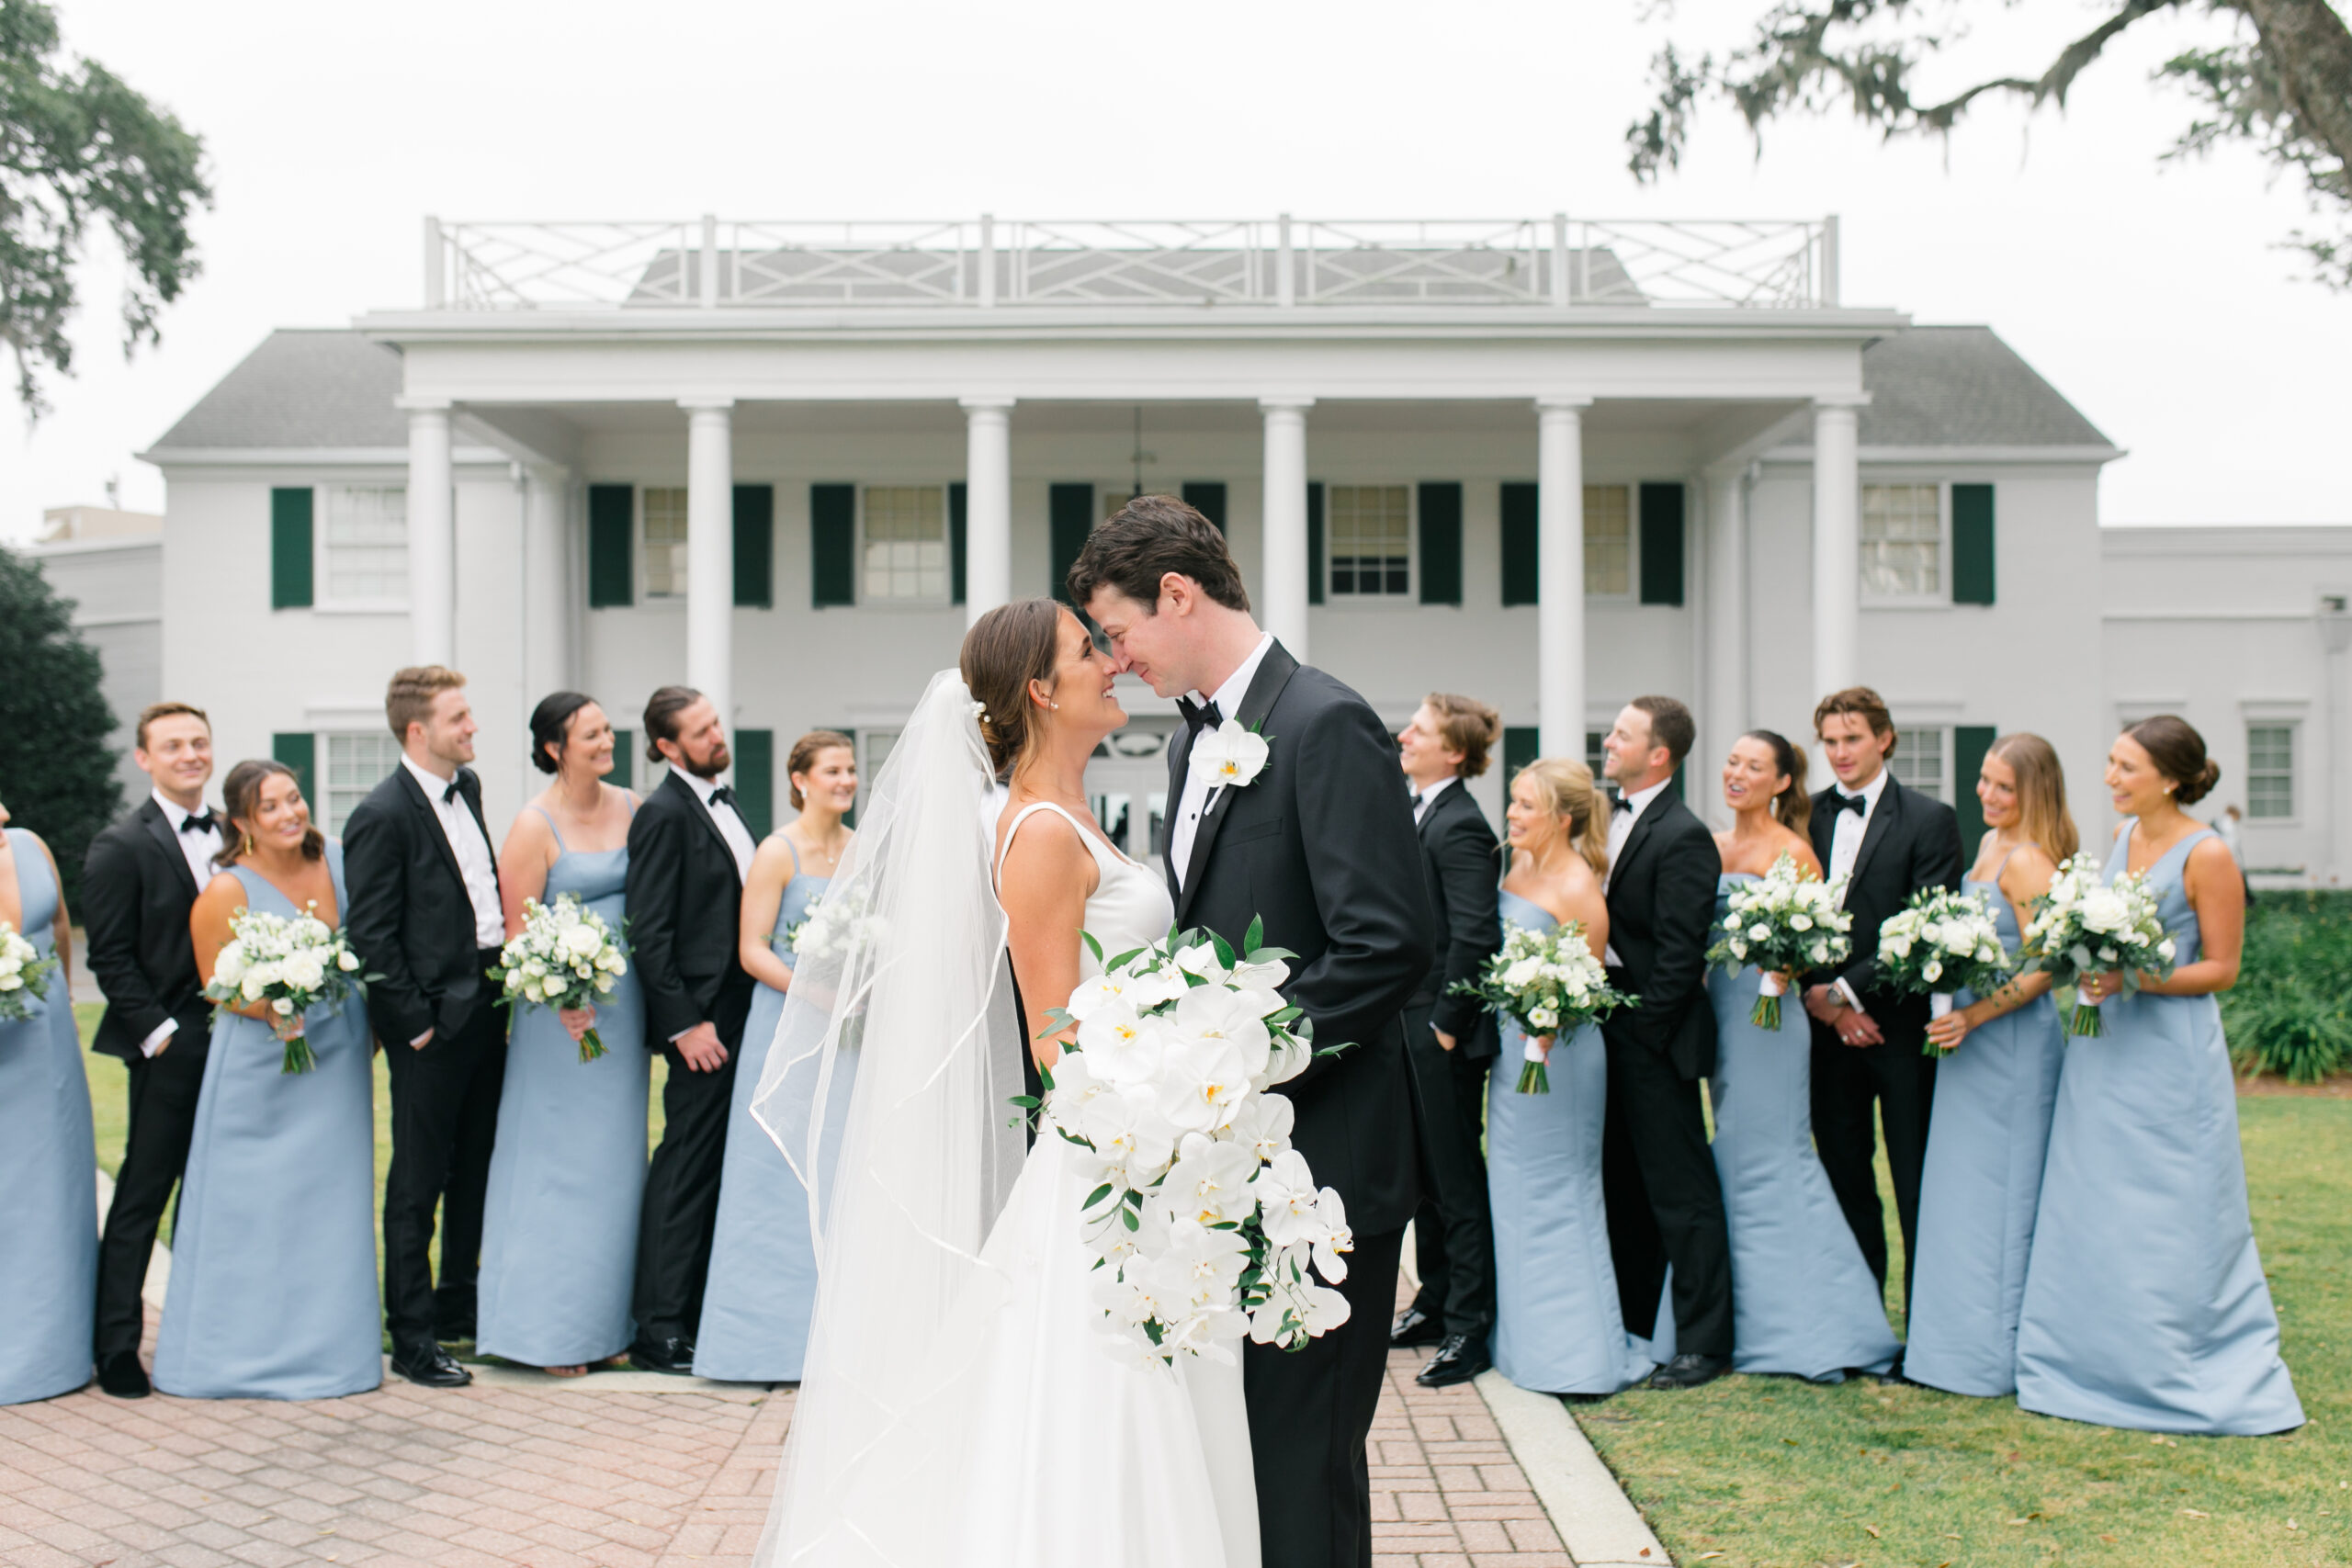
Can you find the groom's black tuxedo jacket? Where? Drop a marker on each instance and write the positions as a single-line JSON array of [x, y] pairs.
[[1321, 847], [411, 919], [136, 894], [1661, 912], [1911, 843]]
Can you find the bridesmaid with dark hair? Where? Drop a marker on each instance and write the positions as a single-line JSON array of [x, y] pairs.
[[763, 1284], [2145, 1304], [566, 1172], [48, 1221], [273, 1291]]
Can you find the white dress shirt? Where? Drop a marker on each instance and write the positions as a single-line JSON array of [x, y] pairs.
[[729, 823], [1428, 797], [1846, 848], [1621, 828], [471, 846], [1194, 804], [198, 848]]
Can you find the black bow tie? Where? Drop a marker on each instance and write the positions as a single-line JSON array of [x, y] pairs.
[[1858, 805], [207, 823], [1199, 715], [1619, 803], [450, 794], [723, 796]]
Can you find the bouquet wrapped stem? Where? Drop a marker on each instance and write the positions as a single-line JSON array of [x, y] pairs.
[[1785, 923], [2082, 927], [565, 957], [1771, 986], [1535, 1074], [1550, 985], [1939, 943], [297, 1057]]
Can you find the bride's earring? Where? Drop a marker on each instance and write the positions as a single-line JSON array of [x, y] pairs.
[[1056, 706]]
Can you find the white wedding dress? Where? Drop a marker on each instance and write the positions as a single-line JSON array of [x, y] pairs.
[[987, 1425]]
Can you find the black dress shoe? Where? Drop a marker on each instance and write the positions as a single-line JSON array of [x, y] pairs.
[[1460, 1358], [120, 1374], [430, 1366], [675, 1356], [1689, 1370], [1415, 1327]]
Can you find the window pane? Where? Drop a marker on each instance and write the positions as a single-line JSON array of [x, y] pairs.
[[2270, 771], [356, 765], [665, 541], [1370, 530], [1902, 539], [1918, 761], [366, 534], [1608, 539], [906, 543]]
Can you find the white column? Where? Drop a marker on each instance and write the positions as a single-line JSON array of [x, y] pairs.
[[1726, 609], [988, 505], [1283, 573], [431, 537], [710, 552], [1559, 575], [1836, 545], [546, 581]]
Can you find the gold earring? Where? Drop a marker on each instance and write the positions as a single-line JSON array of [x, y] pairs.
[[245, 845]]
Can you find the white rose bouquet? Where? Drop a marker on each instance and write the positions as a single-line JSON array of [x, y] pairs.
[[1942, 942], [1787, 923], [2082, 927], [289, 965], [1204, 1220], [833, 924], [24, 976], [1549, 984], [564, 957]]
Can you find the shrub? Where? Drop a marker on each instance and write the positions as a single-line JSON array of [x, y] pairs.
[[2291, 1012], [56, 772]]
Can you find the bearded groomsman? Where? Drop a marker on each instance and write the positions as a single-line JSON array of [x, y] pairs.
[[426, 922], [139, 879], [689, 850]]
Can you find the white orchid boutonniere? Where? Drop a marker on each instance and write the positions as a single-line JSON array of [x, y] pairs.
[[1230, 755]]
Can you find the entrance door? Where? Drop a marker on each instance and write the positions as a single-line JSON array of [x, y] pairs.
[[1126, 783]]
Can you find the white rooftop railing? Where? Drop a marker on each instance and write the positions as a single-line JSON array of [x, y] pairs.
[[987, 263]]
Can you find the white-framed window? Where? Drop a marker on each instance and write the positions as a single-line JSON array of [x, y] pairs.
[[1370, 541], [2270, 772], [1922, 760], [903, 558], [1903, 541], [665, 541], [355, 763], [1608, 541], [363, 544], [872, 751]]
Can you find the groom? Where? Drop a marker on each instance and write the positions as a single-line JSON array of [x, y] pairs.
[[1319, 845]]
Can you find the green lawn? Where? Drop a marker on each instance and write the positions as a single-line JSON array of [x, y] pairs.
[[1750, 1471]]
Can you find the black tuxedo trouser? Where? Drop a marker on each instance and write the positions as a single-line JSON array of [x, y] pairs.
[[681, 1212], [162, 1098], [1899, 1081], [1310, 1413], [1453, 1243], [1665, 1204], [445, 1118]]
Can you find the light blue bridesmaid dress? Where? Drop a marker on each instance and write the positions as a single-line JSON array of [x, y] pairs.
[[762, 1285], [1804, 1302], [2145, 1300], [49, 1162], [273, 1293], [1558, 1328], [1981, 1184], [567, 1174]]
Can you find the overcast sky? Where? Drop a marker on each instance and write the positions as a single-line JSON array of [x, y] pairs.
[[2156, 299]]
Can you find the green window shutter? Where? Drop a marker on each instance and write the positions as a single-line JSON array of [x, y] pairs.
[[1442, 542], [755, 779], [300, 752], [1207, 498], [289, 550], [832, 543], [1314, 541], [611, 518], [1521, 562], [1662, 543], [755, 547], [1071, 510], [1972, 544], [1968, 744], [1522, 745], [958, 540], [624, 759]]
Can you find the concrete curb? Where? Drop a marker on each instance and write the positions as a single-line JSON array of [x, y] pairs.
[[1597, 1523]]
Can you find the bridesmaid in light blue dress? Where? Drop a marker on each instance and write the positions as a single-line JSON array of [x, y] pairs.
[[2145, 1304], [49, 1223], [273, 1291], [1804, 1302], [567, 1173], [1558, 1326], [1995, 1095], [763, 1284]]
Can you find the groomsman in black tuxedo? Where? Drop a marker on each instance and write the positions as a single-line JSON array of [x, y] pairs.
[[1450, 1041], [1889, 842], [427, 922], [1658, 1176], [137, 882], [689, 850]]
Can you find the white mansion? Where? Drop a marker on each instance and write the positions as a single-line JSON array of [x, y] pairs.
[[1551, 463]]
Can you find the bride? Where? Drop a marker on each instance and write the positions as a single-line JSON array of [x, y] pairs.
[[961, 1406]]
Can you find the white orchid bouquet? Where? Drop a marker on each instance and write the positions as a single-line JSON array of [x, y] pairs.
[[1203, 1221], [835, 923], [24, 976], [564, 957], [1787, 923], [2084, 927], [1942, 942], [287, 965], [1550, 985]]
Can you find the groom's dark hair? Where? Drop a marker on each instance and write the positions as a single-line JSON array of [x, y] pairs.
[[1151, 536]]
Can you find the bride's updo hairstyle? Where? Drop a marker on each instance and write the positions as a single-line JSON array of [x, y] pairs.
[[2178, 752], [1565, 788], [1007, 649]]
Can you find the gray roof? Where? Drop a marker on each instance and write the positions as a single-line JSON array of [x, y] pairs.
[[1962, 387], [329, 387]]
